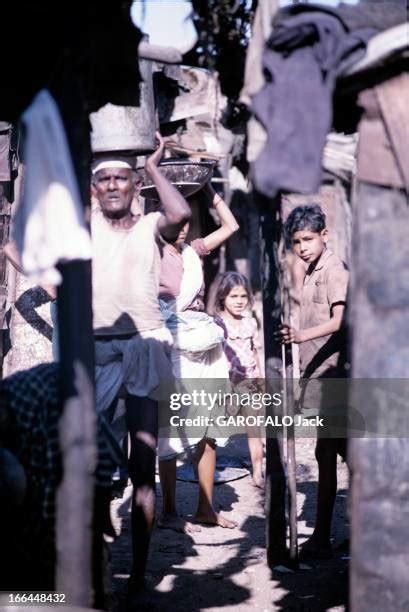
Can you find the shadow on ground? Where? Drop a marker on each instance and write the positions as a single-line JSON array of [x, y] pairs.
[[221, 569]]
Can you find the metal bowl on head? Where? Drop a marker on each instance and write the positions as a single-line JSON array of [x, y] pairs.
[[186, 175]]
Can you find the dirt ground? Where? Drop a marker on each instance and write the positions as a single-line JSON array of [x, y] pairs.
[[221, 569]]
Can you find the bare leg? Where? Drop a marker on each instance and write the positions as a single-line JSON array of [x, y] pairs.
[[206, 466], [255, 443], [142, 422], [169, 518], [326, 454], [256, 455]]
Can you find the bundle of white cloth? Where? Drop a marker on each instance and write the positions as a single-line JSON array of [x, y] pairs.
[[49, 225], [193, 331], [197, 355]]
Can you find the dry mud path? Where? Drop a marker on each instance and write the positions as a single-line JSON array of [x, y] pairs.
[[225, 569]]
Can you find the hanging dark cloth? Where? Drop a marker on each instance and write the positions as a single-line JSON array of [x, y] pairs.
[[308, 48]]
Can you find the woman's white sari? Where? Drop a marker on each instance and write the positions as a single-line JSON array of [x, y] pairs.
[[197, 354]]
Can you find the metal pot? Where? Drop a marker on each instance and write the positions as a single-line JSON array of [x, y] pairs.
[[186, 175], [129, 129]]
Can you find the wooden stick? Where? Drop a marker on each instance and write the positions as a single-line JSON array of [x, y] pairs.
[[291, 471], [290, 436]]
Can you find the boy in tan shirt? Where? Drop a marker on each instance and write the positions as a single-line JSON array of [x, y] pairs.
[[322, 350]]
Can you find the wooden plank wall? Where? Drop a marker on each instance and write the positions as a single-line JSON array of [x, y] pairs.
[[5, 210]]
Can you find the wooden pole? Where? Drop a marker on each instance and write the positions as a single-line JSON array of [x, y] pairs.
[[292, 481], [270, 231], [289, 411], [5, 210], [292, 463], [76, 348], [379, 316]]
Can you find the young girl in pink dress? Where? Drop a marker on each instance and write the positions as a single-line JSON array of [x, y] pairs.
[[241, 342]]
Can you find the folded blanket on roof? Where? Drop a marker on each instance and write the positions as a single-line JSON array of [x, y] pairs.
[[308, 48]]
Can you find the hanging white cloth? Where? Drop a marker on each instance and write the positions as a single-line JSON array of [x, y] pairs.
[[49, 225]]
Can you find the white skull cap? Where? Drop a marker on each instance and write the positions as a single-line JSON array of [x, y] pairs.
[[111, 163]]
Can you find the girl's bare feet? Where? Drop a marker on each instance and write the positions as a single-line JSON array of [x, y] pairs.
[[177, 523], [258, 481], [214, 518], [257, 463]]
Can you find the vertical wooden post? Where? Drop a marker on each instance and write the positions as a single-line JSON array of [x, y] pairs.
[[5, 207], [270, 230], [77, 425], [379, 317], [380, 465]]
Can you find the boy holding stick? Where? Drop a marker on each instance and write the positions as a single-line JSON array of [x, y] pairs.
[[322, 341]]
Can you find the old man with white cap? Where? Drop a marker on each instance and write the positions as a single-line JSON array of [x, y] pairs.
[[131, 341]]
